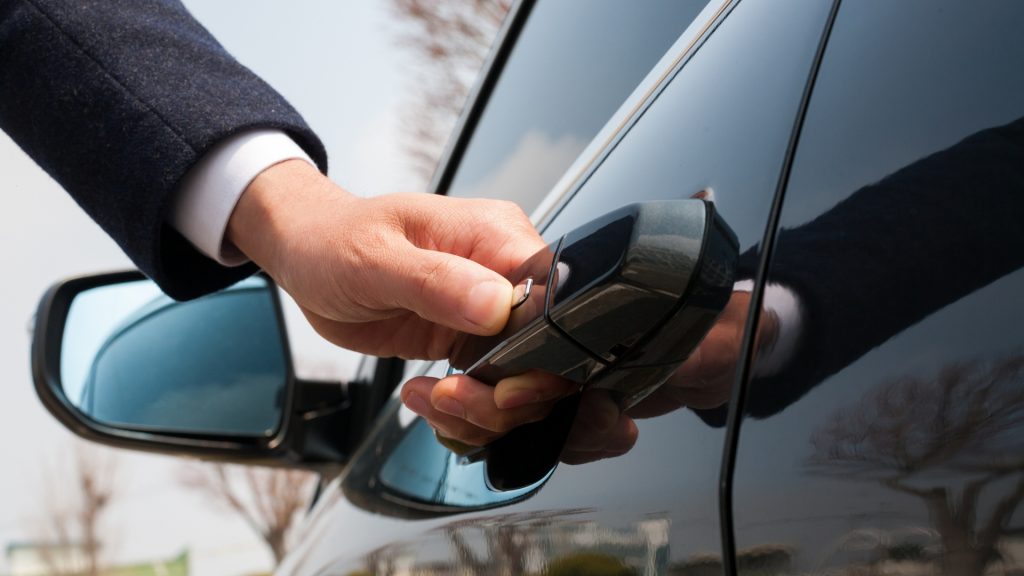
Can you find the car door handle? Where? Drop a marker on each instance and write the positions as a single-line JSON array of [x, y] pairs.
[[616, 304]]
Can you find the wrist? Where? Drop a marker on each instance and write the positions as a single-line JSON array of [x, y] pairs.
[[207, 194], [273, 206]]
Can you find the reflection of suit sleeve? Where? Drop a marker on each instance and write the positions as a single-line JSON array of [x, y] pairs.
[[896, 251], [117, 99]]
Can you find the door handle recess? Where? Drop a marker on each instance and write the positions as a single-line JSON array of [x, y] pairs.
[[616, 304]]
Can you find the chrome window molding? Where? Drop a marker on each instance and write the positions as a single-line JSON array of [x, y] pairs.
[[630, 111]]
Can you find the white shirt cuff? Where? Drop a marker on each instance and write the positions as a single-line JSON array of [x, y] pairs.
[[203, 203], [785, 304]]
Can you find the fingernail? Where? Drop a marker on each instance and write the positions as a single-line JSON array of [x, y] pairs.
[[517, 398], [450, 405], [417, 404], [487, 305]]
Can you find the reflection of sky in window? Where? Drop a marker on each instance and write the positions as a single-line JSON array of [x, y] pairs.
[[570, 71], [914, 96], [94, 315]]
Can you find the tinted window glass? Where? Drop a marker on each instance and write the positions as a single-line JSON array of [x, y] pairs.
[[573, 65], [887, 426]]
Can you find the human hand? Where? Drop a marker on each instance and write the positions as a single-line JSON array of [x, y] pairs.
[[397, 275], [467, 413], [474, 414]]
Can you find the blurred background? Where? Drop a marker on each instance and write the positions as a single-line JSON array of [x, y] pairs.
[[382, 83]]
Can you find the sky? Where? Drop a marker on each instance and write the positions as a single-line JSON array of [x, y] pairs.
[[341, 66]]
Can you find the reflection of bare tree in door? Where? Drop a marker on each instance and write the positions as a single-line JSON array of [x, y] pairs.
[[955, 441]]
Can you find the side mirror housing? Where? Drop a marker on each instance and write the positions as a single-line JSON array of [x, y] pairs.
[[119, 363]]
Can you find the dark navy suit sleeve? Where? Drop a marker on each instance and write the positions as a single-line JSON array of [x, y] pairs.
[[116, 100], [896, 251], [890, 254]]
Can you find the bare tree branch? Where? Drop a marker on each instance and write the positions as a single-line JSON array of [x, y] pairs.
[[906, 432], [450, 40], [267, 499], [72, 541]]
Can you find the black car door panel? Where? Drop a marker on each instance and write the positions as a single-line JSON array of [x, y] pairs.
[[887, 434], [720, 124]]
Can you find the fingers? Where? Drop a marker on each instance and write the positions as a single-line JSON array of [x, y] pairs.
[[451, 291], [416, 397], [452, 269], [466, 398], [420, 339], [532, 387], [599, 431], [465, 409], [464, 412], [398, 274], [492, 232]]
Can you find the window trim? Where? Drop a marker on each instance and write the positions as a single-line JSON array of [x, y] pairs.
[[747, 349], [479, 96], [620, 123]]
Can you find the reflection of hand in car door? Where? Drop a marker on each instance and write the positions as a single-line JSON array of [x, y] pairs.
[[705, 379]]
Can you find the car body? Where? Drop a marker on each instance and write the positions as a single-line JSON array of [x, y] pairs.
[[875, 149]]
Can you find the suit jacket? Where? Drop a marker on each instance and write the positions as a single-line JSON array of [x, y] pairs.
[[116, 100], [892, 253]]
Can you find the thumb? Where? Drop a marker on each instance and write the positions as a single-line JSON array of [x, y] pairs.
[[452, 291]]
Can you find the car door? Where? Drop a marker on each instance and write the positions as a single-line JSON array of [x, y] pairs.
[[716, 115], [885, 434]]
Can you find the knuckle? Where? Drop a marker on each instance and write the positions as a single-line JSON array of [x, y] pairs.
[[433, 275], [511, 208]]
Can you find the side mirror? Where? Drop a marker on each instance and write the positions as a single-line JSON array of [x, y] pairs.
[[119, 363]]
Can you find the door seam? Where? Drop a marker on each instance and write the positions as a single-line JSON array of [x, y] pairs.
[[739, 392]]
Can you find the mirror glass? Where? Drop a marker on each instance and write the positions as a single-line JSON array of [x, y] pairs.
[[135, 359]]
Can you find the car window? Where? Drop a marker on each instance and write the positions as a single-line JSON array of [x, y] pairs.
[[885, 427], [573, 65]]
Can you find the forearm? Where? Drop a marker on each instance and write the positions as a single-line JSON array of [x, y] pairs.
[[117, 101], [912, 243]]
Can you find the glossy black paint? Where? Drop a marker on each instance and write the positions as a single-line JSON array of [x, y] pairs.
[[892, 439], [721, 119]]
